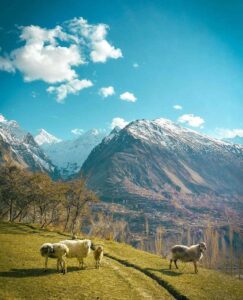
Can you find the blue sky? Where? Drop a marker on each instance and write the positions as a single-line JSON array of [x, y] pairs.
[[152, 55]]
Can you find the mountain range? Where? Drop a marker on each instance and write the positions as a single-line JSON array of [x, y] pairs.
[[154, 170], [161, 174], [19, 146], [69, 155], [152, 157]]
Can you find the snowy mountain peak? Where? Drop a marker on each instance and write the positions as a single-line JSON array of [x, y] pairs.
[[20, 146], [167, 134], [45, 137], [69, 155], [112, 134]]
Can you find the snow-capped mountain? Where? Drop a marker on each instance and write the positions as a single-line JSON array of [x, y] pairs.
[[69, 155], [19, 146], [152, 157], [167, 174], [44, 137]]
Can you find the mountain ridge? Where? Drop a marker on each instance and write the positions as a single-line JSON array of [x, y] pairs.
[[180, 147], [19, 146], [69, 155]]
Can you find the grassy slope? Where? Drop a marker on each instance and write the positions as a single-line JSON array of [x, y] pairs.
[[208, 284], [22, 276]]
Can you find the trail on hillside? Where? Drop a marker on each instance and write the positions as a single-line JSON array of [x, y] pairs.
[[22, 275], [169, 288], [141, 287]]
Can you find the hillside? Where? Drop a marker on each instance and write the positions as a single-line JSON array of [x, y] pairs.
[[126, 273], [148, 158], [19, 146], [176, 176]]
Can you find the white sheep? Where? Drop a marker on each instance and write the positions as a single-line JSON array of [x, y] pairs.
[[78, 249], [187, 254], [58, 251], [98, 255]]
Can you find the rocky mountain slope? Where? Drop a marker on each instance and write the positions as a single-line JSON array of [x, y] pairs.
[[161, 174], [69, 155], [20, 147], [148, 158]]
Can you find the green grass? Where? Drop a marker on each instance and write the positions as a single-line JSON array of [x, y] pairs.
[[22, 276]]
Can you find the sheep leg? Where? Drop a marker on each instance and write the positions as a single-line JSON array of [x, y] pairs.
[[58, 264], [195, 267], [46, 260], [170, 266], [64, 266], [81, 263], [176, 264]]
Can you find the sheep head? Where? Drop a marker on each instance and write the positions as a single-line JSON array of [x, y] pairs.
[[202, 247]]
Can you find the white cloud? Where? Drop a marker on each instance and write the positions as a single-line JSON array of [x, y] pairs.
[[95, 37], [135, 65], [229, 133], [71, 87], [42, 58], [102, 50], [127, 96], [191, 120], [6, 65], [107, 91], [2, 119], [177, 107], [52, 55], [77, 131], [118, 122]]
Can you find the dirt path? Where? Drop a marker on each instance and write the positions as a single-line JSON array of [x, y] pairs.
[[22, 276], [141, 286], [169, 288]]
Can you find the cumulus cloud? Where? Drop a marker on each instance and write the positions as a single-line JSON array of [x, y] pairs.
[[177, 107], [229, 133], [77, 131], [127, 96], [42, 58], [95, 37], [118, 122], [71, 87], [53, 55], [107, 91], [191, 120], [6, 65]]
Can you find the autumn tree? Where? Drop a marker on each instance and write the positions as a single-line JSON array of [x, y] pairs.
[[77, 198]]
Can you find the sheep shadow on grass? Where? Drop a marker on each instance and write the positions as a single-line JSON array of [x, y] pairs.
[[38, 272], [168, 272]]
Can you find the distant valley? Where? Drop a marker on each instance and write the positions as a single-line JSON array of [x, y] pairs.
[[150, 173]]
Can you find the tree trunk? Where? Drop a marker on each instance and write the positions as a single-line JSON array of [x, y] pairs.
[[67, 219], [11, 210]]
